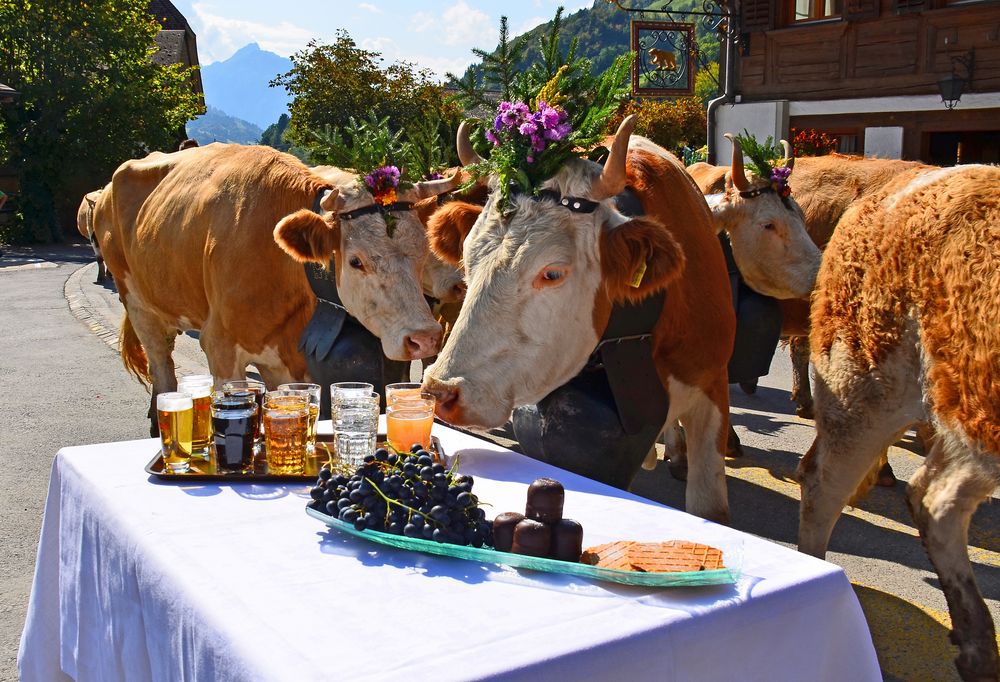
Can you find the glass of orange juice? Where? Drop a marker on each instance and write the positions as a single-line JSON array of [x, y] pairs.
[[407, 389], [409, 422]]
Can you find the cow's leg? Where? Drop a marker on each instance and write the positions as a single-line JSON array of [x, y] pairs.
[[281, 366], [942, 495], [705, 419], [858, 415], [157, 341], [675, 450], [798, 349], [226, 362]]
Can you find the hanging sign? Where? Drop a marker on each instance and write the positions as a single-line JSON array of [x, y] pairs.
[[664, 59]]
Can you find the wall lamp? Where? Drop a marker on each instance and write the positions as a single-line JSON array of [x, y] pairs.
[[953, 85]]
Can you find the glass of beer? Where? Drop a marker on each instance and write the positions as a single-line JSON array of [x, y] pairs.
[[355, 425], [199, 387], [407, 389], [286, 429], [408, 422], [234, 416], [175, 415]]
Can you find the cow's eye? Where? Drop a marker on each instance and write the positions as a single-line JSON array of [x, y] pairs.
[[356, 263], [769, 226], [551, 275]]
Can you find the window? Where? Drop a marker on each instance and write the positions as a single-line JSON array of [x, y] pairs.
[[810, 10]]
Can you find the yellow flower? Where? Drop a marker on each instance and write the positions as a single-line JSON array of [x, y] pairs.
[[387, 196]]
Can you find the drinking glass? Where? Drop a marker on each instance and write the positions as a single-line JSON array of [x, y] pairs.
[[286, 428], [314, 390], [259, 390], [355, 425], [406, 389], [199, 387], [409, 422], [350, 388], [234, 416], [175, 414]]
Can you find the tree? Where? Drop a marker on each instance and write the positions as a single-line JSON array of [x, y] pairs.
[[333, 84], [91, 98]]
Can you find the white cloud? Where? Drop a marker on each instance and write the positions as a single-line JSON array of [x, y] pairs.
[[461, 25], [219, 37], [387, 46], [371, 8]]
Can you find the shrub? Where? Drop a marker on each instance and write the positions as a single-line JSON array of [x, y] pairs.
[[672, 124]]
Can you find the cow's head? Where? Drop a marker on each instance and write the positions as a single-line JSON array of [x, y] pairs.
[[542, 278], [378, 275], [768, 234]]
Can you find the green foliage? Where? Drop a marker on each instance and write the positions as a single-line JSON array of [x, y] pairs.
[[90, 98], [672, 124], [333, 84], [500, 67], [706, 83], [761, 154], [362, 144], [218, 126]]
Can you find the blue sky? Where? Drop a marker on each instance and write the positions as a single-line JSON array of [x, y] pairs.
[[435, 34]]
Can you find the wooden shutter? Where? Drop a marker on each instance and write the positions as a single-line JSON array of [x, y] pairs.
[[756, 15], [855, 10]]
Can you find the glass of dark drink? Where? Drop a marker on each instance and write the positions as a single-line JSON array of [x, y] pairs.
[[234, 425]]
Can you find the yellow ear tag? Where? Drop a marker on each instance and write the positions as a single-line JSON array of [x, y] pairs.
[[637, 276]]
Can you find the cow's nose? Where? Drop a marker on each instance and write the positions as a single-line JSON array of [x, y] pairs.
[[458, 291], [447, 398], [423, 344]]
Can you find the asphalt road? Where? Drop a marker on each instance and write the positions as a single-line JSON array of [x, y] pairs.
[[63, 384]]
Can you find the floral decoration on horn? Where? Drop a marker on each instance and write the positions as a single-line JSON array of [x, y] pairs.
[[768, 162]]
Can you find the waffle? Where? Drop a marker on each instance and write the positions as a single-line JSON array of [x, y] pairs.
[[672, 556]]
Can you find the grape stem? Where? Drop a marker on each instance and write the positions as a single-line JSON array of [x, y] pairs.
[[389, 500]]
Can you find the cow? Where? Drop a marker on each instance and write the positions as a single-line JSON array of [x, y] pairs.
[[85, 225], [824, 187], [213, 239], [905, 327], [545, 277]]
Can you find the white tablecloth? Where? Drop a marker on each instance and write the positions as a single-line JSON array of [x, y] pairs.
[[138, 579]]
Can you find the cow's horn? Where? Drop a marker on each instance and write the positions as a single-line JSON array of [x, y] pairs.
[[612, 180], [466, 154], [738, 174], [431, 188], [331, 200], [789, 154]]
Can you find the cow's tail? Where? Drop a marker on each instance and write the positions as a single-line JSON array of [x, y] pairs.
[[133, 355]]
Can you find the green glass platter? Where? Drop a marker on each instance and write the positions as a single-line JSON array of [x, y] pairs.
[[731, 555]]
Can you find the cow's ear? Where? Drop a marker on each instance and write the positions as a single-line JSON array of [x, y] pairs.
[[305, 236], [448, 228], [639, 258]]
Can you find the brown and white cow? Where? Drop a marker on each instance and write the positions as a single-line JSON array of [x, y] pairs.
[[85, 225], [542, 280], [906, 325], [201, 239], [824, 187]]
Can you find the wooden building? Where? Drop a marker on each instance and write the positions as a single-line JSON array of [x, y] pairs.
[[872, 73], [176, 40]]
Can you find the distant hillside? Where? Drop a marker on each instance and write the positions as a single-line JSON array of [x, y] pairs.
[[239, 85], [218, 126], [603, 31]]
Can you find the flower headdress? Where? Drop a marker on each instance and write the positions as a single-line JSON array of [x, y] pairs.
[[530, 141], [767, 161]]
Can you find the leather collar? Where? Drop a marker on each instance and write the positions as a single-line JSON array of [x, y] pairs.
[[376, 208]]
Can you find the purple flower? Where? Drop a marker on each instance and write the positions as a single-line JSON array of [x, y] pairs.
[[491, 136], [528, 128]]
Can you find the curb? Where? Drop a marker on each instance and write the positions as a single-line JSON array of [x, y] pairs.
[[77, 302]]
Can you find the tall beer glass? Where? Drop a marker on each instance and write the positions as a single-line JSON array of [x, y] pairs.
[[199, 387], [286, 428], [175, 414]]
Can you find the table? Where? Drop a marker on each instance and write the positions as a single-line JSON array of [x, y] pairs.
[[139, 579]]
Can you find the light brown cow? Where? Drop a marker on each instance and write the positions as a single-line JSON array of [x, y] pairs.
[[193, 238], [824, 187], [906, 325], [85, 225], [542, 282]]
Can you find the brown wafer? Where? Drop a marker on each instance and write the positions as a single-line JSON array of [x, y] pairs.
[[671, 556]]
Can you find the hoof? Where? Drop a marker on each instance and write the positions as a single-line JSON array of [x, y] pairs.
[[805, 411], [679, 470], [749, 387], [886, 479], [733, 446]]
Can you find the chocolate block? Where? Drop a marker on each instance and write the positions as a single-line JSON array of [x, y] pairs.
[[503, 530], [567, 540], [531, 538], [545, 500]]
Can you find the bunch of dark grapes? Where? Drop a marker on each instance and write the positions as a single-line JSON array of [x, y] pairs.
[[405, 494]]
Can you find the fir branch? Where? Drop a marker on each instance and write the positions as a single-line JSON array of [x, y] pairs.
[[761, 155]]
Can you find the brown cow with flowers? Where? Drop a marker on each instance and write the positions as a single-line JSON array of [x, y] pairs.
[[543, 274], [906, 327], [213, 239]]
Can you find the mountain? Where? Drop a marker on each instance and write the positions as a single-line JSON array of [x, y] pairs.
[[239, 85], [218, 126]]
